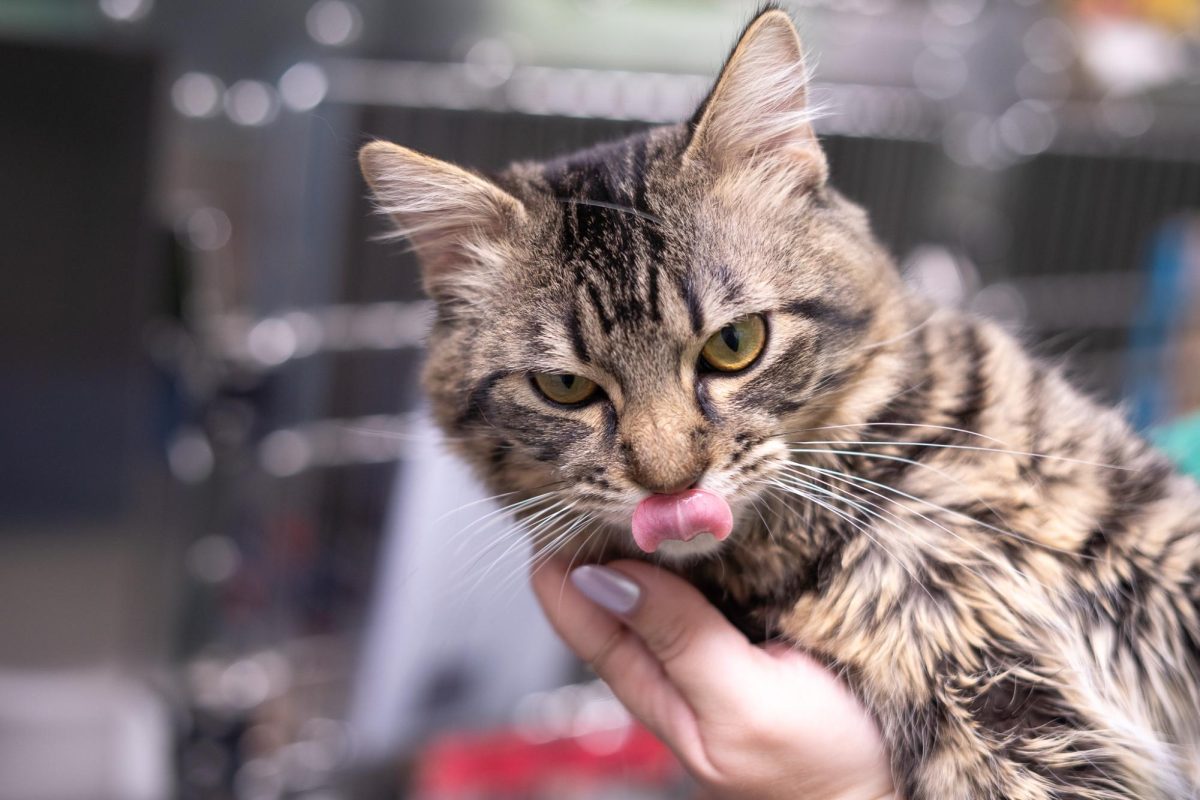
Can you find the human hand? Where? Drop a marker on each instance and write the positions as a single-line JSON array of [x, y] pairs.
[[767, 723]]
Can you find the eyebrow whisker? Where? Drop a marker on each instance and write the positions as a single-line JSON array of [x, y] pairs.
[[611, 206]]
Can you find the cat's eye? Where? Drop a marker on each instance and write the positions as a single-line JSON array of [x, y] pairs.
[[569, 390], [736, 345]]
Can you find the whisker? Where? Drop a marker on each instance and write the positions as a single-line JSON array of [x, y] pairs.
[[898, 337], [430, 437], [562, 586], [464, 506], [610, 206], [975, 546], [940, 473], [532, 537], [560, 540], [952, 512], [578, 550], [475, 527], [877, 514], [974, 448], [849, 479], [863, 528], [857, 425], [881, 457], [520, 527], [468, 570], [754, 505], [542, 554]]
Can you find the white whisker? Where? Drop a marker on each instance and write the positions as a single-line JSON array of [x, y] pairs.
[[559, 510], [959, 514], [973, 545], [974, 448], [481, 524], [473, 503], [857, 425], [862, 527], [610, 206]]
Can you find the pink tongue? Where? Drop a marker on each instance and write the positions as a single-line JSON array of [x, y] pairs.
[[682, 517]]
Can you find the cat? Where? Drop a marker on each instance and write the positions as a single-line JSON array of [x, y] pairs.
[[685, 346]]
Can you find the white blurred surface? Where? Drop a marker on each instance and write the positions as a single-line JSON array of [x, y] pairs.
[[82, 736], [446, 614]]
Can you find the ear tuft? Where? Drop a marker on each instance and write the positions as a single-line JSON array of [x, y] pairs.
[[449, 215], [758, 112]]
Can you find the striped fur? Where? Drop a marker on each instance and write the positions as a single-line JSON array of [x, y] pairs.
[[1006, 575]]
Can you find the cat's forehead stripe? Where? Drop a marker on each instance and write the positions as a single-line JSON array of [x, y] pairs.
[[608, 233], [578, 344], [687, 289]]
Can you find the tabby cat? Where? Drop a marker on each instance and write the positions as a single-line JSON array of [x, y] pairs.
[[686, 347]]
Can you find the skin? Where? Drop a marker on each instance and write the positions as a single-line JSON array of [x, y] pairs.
[[767, 723]]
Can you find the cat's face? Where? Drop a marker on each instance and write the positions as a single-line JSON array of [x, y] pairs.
[[647, 317]]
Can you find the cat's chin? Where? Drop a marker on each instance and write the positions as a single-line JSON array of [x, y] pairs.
[[679, 552]]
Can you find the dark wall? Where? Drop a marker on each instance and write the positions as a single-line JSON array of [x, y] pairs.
[[74, 280]]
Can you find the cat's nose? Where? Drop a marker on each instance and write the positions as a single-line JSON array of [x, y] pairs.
[[667, 476], [664, 446], [671, 488]]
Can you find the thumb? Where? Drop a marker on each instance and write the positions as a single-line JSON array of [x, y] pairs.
[[696, 646]]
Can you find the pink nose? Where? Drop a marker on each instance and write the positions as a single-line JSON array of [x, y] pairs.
[[678, 487], [681, 517]]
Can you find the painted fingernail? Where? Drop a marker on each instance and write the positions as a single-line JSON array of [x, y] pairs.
[[607, 588]]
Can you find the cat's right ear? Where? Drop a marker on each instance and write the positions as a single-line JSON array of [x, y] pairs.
[[452, 217], [758, 114]]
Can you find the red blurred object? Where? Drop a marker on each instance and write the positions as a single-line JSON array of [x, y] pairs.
[[504, 764]]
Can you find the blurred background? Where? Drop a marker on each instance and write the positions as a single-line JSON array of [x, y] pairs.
[[234, 562]]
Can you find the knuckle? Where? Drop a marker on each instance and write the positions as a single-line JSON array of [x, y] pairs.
[[601, 660]]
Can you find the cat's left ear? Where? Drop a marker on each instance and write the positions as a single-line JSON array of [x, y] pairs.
[[758, 112]]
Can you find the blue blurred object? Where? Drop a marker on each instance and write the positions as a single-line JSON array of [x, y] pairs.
[[1163, 311], [1181, 441]]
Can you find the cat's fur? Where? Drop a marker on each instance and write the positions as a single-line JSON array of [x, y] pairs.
[[1006, 575]]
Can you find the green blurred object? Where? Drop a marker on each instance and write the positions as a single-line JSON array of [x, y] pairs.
[[1181, 441], [21, 18]]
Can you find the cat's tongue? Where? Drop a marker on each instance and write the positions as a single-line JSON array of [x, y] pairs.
[[681, 517]]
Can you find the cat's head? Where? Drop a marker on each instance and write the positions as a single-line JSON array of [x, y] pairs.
[[648, 316]]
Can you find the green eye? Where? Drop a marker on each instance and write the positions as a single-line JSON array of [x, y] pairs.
[[566, 389], [735, 346]]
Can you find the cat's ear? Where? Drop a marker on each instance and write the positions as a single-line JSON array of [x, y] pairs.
[[451, 216], [758, 112]]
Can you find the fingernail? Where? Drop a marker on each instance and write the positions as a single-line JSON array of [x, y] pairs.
[[607, 588]]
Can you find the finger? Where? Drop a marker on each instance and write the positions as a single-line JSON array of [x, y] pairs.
[[620, 659], [697, 647]]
